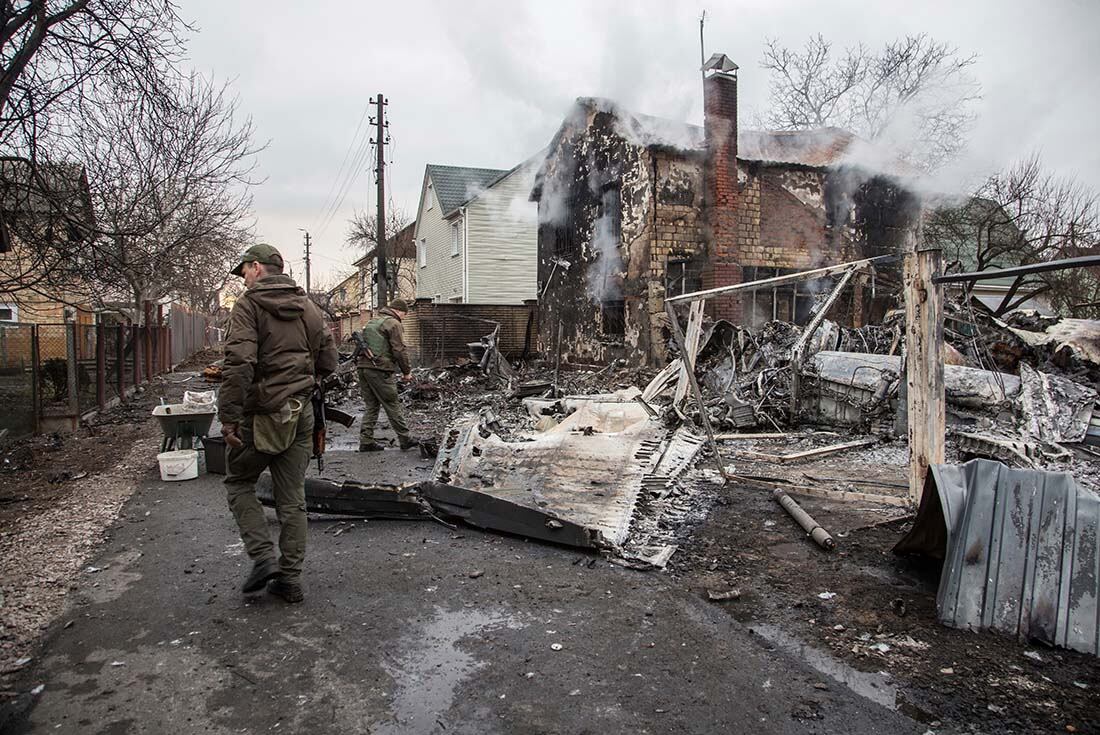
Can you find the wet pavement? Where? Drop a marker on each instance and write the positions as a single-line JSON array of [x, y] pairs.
[[411, 628]]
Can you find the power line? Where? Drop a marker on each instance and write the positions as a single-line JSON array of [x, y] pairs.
[[347, 153], [353, 176]]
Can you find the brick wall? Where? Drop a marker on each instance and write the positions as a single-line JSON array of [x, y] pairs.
[[792, 235], [439, 333], [722, 190]]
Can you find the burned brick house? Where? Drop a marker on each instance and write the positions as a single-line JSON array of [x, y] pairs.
[[634, 208]]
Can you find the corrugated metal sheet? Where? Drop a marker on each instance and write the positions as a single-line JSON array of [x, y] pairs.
[[1019, 548]]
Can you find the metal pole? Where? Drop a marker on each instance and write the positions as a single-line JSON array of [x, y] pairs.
[[100, 368], [557, 359], [36, 374], [73, 386], [380, 245], [120, 359]]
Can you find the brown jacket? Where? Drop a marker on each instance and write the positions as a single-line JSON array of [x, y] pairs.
[[385, 338], [276, 344]]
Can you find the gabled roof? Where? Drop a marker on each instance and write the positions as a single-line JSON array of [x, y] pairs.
[[456, 185], [44, 194]]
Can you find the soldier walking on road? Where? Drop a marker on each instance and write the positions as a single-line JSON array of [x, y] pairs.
[[276, 348], [384, 355]]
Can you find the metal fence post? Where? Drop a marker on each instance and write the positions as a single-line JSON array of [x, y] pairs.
[[70, 364], [120, 360], [147, 342], [36, 374], [100, 368], [135, 353]]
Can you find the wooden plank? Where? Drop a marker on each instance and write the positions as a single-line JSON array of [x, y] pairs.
[[691, 336], [923, 361], [809, 453], [820, 492], [831, 270], [678, 335], [775, 435]]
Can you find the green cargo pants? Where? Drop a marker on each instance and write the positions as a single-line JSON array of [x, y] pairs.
[[288, 472], [379, 391]]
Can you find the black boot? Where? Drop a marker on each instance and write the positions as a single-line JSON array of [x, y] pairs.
[[289, 591], [262, 570], [407, 442], [371, 446]]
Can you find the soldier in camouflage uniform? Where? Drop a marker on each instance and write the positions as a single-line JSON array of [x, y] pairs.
[[276, 348], [384, 354]]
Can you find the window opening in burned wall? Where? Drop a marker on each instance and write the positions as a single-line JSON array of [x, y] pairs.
[[792, 302], [613, 320], [681, 277]]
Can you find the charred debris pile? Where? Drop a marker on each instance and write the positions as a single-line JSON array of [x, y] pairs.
[[1021, 390]]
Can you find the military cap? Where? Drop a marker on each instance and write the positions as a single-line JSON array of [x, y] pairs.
[[260, 253]]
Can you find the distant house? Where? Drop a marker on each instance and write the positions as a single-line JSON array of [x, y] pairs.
[[353, 301], [401, 271], [45, 219], [477, 235], [343, 301]]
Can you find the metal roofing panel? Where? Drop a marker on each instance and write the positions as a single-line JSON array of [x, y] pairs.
[[456, 185], [1019, 548]]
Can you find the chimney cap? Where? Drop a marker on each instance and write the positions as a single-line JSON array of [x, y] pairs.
[[720, 63]]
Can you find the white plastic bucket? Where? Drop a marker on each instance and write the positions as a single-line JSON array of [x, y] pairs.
[[181, 464]]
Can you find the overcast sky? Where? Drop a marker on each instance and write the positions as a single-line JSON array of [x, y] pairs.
[[487, 83]]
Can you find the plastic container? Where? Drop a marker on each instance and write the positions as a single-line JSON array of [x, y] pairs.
[[215, 454], [179, 464]]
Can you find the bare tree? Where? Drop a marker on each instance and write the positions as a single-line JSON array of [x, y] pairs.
[[63, 62], [915, 95], [1026, 215], [362, 234], [170, 186], [55, 53]]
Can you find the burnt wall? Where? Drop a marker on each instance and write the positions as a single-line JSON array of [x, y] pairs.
[[595, 231]]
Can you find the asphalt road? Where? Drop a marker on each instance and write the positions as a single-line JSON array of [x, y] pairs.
[[406, 628]]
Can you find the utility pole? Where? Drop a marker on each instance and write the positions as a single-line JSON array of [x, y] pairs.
[[307, 259], [381, 139]]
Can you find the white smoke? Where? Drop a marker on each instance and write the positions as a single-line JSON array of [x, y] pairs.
[[605, 272], [510, 197]]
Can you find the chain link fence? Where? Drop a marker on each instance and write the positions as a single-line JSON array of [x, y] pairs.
[[52, 374], [17, 379]]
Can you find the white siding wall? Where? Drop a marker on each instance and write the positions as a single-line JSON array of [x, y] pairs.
[[442, 275], [503, 242]]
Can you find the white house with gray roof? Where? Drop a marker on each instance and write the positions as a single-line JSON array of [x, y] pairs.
[[477, 235]]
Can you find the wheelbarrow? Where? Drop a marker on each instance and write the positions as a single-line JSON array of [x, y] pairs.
[[181, 424]]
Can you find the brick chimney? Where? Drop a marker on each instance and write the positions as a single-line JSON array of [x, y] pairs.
[[721, 188]]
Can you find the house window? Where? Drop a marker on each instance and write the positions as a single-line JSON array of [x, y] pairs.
[[456, 299], [429, 196], [791, 302], [9, 313], [613, 319], [422, 253], [681, 277], [455, 237]]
